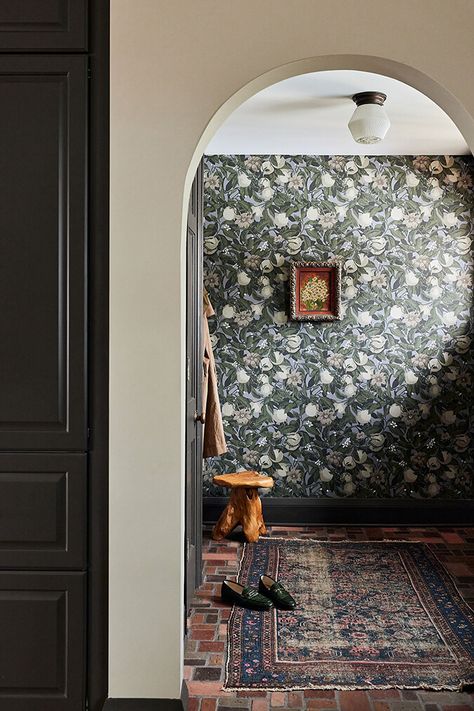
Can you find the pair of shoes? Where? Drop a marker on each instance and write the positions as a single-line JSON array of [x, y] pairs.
[[270, 594]]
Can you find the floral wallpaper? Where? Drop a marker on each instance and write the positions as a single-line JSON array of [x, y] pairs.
[[379, 403]]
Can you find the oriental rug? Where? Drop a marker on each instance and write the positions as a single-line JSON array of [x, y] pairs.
[[370, 615]]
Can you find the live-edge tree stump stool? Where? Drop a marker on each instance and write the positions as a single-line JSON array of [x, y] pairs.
[[244, 507]]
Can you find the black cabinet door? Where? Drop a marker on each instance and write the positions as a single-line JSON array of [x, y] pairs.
[[43, 501], [39, 25], [42, 641], [42, 252]]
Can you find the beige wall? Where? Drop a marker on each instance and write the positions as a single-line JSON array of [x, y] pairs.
[[174, 64]]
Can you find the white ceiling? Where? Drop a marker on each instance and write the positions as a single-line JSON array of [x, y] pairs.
[[308, 114]]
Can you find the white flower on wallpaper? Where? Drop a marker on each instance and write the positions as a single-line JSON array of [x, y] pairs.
[[280, 219], [243, 180], [379, 403], [243, 279], [228, 213], [363, 417]]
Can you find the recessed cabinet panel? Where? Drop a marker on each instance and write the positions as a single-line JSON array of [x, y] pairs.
[[32, 25], [41, 654], [42, 510], [42, 236]]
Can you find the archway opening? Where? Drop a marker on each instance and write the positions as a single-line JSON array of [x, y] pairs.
[[258, 179]]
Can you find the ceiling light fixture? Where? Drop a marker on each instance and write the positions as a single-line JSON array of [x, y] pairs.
[[369, 122]]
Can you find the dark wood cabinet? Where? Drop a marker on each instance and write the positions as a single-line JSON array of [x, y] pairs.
[[53, 346], [42, 25], [42, 270], [43, 641], [43, 500], [54, 136]]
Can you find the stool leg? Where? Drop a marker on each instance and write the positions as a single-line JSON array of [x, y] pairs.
[[244, 507], [228, 519], [262, 528], [252, 515]]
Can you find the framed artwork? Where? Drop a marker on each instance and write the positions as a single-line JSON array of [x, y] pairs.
[[315, 291]]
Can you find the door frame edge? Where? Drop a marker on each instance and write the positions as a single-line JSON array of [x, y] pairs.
[[98, 354]]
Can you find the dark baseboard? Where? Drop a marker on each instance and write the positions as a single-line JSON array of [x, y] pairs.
[[354, 512], [143, 705]]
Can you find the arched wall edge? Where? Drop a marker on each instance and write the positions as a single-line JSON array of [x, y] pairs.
[[366, 63]]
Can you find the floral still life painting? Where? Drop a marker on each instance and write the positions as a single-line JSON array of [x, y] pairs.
[[315, 291]]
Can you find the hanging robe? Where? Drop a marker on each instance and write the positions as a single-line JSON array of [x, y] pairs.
[[214, 439]]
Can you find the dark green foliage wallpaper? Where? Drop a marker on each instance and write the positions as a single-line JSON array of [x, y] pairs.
[[377, 404]]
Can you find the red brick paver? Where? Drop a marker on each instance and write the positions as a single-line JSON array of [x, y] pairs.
[[207, 628], [354, 701]]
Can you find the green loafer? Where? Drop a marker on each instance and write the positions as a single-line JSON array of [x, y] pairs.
[[275, 591], [237, 594]]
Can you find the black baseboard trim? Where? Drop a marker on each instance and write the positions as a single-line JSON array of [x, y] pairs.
[[143, 705], [354, 512]]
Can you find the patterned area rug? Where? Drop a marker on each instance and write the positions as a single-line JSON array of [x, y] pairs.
[[369, 616]]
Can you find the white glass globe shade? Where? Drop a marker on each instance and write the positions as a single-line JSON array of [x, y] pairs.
[[369, 123]]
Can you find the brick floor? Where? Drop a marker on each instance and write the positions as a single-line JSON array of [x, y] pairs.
[[207, 629]]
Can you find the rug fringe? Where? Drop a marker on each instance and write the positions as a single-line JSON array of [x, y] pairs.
[[343, 540], [424, 687]]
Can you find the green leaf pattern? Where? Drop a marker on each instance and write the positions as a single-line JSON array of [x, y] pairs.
[[379, 403]]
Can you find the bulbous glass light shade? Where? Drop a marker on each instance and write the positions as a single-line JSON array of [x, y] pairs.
[[369, 123]]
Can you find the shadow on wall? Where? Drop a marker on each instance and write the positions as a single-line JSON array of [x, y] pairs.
[[379, 403]]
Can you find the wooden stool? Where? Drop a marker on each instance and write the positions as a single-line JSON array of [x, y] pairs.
[[244, 507]]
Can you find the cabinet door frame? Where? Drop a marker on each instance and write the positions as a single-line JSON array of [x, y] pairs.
[[49, 530], [66, 430], [65, 589], [38, 32]]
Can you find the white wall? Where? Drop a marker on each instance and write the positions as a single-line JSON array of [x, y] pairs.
[[174, 64]]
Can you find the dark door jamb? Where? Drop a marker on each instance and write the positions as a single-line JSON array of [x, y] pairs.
[[98, 349]]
